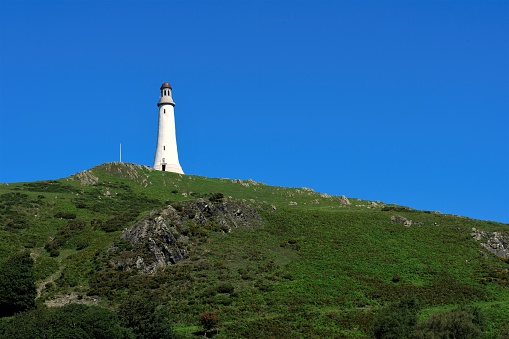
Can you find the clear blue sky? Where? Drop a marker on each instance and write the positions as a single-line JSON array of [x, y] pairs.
[[405, 102]]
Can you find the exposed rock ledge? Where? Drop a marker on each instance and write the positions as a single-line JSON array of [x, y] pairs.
[[405, 221], [86, 178], [164, 236], [495, 242]]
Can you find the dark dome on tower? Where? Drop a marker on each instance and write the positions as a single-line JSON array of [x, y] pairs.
[[166, 85]]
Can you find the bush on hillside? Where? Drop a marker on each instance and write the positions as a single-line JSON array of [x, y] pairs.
[[65, 215], [108, 281], [119, 222], [17, 284], [462, 323], [215, 197], [70, 321], [397, 320], [52, 186], [54, 243], [225, 288], [209, 321], [396, 208], [145, 317], [14, 208]]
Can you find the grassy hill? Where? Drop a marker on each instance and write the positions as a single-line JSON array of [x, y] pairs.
[[315, 266]]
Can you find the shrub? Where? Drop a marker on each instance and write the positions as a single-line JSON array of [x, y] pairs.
[[54, 253], [145, 317], [70, 321], [287, 276], [209, 321], [72, 228], [225, 288], [80, 204], [119, 222], [50, 286], [96, 224], [263, 286], [17, 284], [462, 323], [216, 197], [54, 243], [197, 231], [397, 320], [106, 282], [53, 186], [222, 299], [65, 215], [67, 278], [208, 292], [30, 243], [14, 207], [396, 208], [81, 244]]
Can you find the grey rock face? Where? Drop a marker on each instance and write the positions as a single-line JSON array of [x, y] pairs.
[[163, 237], [86, 178], [406, 222], [227, 213], [402, 220], [155, 237], [344, 200], [495, 242]]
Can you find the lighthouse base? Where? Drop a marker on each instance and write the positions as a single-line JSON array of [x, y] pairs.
[[175, 168]]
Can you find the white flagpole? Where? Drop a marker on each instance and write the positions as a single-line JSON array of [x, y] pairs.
[[120, 152]]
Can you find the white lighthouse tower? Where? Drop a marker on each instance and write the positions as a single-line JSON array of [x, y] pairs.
[[166, 158]]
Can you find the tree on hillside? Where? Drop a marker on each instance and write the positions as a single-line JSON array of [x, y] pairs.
[[17, 284], [209, 321]]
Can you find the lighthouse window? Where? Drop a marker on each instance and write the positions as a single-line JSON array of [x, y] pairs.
[[164, 148], [164, 110]]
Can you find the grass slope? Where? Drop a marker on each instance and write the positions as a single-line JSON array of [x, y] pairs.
[[316, 267]]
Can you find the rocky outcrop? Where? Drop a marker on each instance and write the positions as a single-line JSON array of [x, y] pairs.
[[227, 213], [406, 222], [125, 170], [86, 178], [156, 241], [164, 237], [495, 242], [344, 200]]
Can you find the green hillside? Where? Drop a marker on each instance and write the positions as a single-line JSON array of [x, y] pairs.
[[314, 265]]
